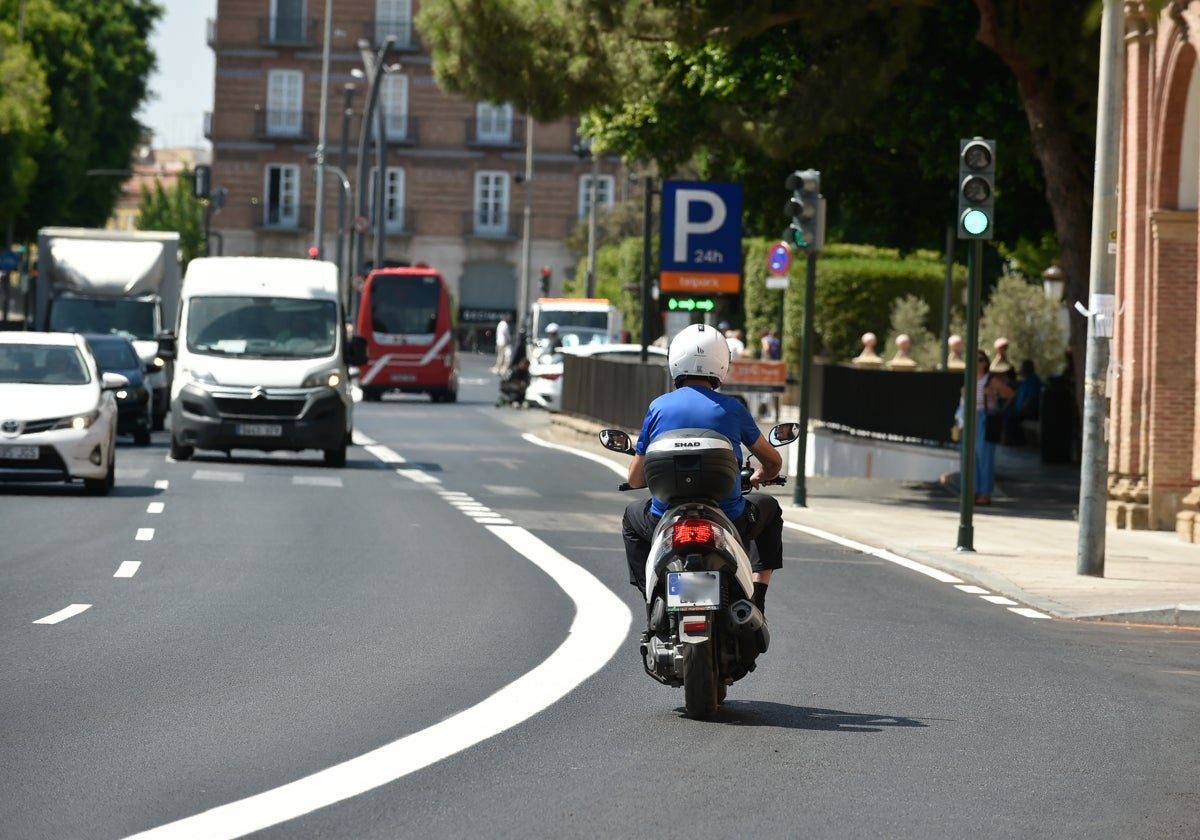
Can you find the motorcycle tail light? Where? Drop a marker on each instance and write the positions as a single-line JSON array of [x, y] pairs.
[[697, 625], [692, 532]]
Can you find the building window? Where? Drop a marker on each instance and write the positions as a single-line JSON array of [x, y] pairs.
[[393, 199], [287, 21], [604, 193], [491, 203], [393, 17], [282, 189], [493, 123], [284, 102], [393, 98]]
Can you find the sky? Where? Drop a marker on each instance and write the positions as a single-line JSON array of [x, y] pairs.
[[182, 86]]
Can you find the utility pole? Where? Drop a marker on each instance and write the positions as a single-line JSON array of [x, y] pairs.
[[526, 233], [1093, 477], [647, 297], [344, 163], [374, 66], [594, 191]]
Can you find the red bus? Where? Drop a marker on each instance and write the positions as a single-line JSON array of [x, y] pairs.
[[404, 315]]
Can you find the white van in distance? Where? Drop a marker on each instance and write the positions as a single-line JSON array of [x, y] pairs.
[[261, 359]]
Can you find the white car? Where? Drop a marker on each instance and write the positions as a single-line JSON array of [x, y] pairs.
[[58, 416], [545, 374]]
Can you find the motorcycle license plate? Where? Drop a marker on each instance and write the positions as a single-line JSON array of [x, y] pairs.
[[693, 590]]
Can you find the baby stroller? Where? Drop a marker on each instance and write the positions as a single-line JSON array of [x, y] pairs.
[[514, 382]]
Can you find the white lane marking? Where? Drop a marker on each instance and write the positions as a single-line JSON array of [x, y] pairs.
[[882, 554], [155, 507], [63, 614], [317, 480], [504, 490], [162, 484], [382, 453], [218, 475], [971, 589], [144, 534], [419, 476], [493, 520], [999, 599], [599, 629], [128, 569]]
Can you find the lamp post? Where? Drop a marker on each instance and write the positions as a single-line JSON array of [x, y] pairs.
[[323, 123], [374, 68], [585, 148], [526, 233], [343, 163]]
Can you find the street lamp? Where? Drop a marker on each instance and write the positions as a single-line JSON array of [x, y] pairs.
[[1053, 283], [374, 68], [585, 148]]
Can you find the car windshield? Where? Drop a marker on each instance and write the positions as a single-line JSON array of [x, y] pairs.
[[41, 364], [130, 318], [279, 328], [115, 355]]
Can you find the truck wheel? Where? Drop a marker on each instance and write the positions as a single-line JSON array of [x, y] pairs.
[[336, 457], [179, 452]]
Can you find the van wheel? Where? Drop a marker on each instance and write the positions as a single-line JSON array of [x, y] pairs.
[[179, 452], [336, 457]]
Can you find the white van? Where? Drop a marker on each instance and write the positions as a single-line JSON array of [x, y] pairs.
[[261, 358]]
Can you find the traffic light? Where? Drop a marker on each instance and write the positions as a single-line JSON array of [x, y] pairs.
[[202, 181], [976, 188], [314, 253], [804, 208], [545, 280]]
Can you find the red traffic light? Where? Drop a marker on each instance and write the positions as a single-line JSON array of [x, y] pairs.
[[314, 252]]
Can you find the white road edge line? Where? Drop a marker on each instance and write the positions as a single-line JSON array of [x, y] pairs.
[[600, 626], [882, 554], [63, 614]]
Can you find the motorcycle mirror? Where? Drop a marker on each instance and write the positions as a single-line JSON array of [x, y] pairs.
[[784, 433], [616, 440]]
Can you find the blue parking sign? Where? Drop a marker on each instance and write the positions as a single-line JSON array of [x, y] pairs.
[[701, 244]]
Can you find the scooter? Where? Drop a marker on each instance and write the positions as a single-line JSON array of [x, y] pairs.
[[703, 630]]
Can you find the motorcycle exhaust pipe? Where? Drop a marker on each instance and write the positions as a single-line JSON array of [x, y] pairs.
[[748, 618]]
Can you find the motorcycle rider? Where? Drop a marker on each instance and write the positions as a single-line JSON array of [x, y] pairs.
[[699, 360]]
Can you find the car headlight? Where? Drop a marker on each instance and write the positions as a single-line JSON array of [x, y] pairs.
[[79, 422], [332, 378], [131, 394], [159, 362]]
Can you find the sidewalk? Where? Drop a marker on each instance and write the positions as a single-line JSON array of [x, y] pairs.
[[1025, 543]]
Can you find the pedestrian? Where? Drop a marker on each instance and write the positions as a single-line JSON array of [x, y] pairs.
[[737, 347], [1025, 405], [991, 390], [503, 344], [699, 361]]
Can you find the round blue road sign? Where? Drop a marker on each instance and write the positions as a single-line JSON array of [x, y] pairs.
[[9, 261], [779, 259]]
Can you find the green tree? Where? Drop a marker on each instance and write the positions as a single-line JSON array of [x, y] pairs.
[[23, 115], [175, 209], [911, 316], [97, 62], [1021, 312]]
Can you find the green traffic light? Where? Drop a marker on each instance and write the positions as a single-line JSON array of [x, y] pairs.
[[975, 222]]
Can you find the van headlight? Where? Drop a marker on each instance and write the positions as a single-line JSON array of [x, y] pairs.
[[331, 378]]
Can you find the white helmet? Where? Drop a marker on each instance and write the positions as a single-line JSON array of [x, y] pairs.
[[699, 350], [552, 328]]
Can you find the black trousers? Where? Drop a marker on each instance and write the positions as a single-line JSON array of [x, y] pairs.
[[760, 526]]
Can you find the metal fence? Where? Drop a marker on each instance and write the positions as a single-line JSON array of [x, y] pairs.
[[613, 391]]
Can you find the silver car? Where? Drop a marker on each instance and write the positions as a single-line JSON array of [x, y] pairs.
[[58, 416]]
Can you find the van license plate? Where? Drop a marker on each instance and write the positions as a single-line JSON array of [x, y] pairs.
[[693, 590], [19, 453], [259, 429]]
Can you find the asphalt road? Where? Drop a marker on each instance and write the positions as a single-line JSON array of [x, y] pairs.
[[439, 641]]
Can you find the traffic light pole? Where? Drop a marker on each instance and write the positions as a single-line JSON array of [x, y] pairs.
[[799, 495], [966, 470]]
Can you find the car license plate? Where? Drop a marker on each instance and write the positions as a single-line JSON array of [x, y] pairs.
[[260, 429], [693, 590], [19, 453]]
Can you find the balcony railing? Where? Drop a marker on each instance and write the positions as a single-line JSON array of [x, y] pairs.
[[283, 125], [288, 30], [491, 225], [407, 40], [490, 138]]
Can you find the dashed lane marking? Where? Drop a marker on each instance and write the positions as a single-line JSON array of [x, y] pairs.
[[64, 614], [155, 507], [128, 569], [144, 534]]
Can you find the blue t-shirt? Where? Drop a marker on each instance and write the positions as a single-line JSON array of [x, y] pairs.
[[701, 408]]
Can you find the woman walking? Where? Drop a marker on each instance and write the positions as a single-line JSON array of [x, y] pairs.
[[990, 393]]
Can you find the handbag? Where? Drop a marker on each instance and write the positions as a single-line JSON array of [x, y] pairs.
[[993, 427]]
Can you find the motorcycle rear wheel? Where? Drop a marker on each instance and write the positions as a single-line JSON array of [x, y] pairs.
[[699, 680]]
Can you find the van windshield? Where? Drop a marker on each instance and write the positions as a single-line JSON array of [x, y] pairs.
[[280, 328]]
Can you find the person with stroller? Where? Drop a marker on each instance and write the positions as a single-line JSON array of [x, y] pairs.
[[516, 379]]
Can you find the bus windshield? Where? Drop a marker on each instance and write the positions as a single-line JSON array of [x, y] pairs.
[[405, 304], [280, 328]]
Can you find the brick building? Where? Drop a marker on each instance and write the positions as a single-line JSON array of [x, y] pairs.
[[1154, 430], [454, 191]]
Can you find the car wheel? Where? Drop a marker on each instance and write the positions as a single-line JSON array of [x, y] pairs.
[[102, 486], [179, 452]]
